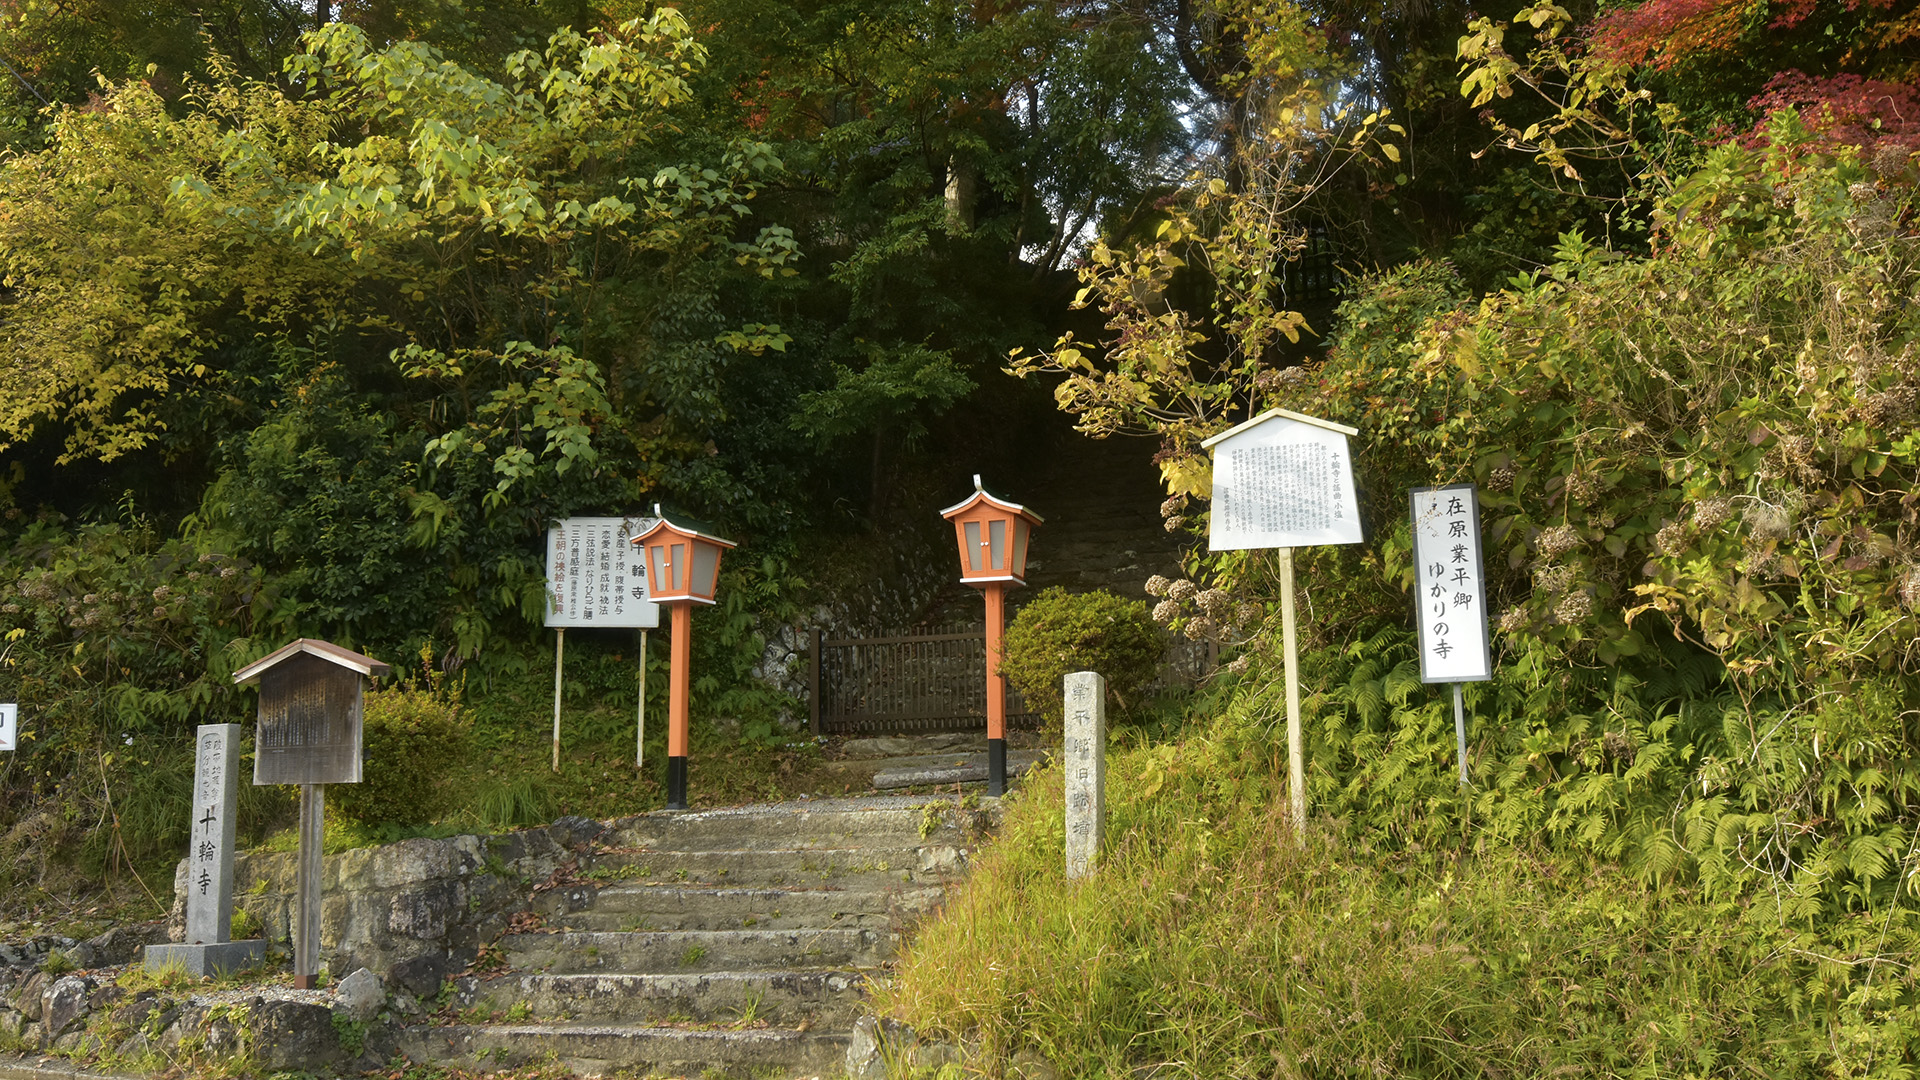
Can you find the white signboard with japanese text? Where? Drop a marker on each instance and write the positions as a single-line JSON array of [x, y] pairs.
[[1283, 480], [595, 577], [1452, 593], [9, 727]]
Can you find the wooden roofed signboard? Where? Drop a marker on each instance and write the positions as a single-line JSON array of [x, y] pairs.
[[309, 715], [1283, 480]]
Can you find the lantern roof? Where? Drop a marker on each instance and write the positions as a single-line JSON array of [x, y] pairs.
[[325, 650], [980, 495], [1270, 414], [685, 530]]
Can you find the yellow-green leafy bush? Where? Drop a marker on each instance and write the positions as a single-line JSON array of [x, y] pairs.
[[412, 733]]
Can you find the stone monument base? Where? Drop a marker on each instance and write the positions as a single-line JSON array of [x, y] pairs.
[[214, 958]]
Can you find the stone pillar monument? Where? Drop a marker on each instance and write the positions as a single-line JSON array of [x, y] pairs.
[[1086, 765], [207, 949]]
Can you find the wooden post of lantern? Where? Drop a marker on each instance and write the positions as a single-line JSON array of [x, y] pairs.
[[309, 734], [993, 534], [682, 568]]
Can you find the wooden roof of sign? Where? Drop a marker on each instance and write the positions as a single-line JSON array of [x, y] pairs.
[[980, 496], [325, 650], [1270, 414], [683, 530]]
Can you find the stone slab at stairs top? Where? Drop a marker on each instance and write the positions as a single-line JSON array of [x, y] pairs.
[[897, 745]]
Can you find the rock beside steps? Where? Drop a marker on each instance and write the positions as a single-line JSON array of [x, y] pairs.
[[735, 942]]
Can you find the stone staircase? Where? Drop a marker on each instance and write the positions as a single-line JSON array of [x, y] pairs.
[[736, 942]]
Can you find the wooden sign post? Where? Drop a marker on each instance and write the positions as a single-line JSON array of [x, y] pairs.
[[309, 734], [1284, 480], [595, 578], [1451, 596]]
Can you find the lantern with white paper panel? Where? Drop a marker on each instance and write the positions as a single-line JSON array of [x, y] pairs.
[[683, 569], [993, 535]]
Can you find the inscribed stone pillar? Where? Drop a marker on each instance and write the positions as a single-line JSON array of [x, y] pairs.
[[210, 850], [1086, 769], [206, 948]]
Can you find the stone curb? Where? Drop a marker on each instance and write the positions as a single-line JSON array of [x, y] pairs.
[[19, 1067]]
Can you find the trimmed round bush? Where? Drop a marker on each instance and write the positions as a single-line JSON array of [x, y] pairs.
[[1058, 633]]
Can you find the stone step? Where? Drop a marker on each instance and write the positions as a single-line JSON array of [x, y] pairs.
[[633, 907], [885, 746], [823, 997], [873, 866], [603, 1049], [834, 823], [974, 755], [972, 770], [588, 951]]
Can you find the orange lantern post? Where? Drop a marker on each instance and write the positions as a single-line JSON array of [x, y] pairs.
[[993, 535], [682, 567]]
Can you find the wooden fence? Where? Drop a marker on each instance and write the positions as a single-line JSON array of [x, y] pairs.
[[905, 685], [932, 682]]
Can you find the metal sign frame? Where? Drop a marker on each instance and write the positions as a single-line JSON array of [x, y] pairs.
[[1445, 523]]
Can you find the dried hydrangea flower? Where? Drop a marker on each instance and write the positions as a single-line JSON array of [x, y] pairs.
[[1181, 590], [1709, 513], [1671, 540], [1574, 607], [1553, 579], [1557, 541], [1158, 586]]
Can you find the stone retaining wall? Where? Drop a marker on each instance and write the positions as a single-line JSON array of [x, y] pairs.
[[407, 909], [410, 913]]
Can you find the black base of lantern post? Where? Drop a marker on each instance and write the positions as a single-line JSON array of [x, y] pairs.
[[676, 783], [996, 766]]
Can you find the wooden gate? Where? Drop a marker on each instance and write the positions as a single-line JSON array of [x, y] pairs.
[[906, 685]]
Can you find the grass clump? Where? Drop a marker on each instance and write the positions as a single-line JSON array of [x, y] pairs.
[[1211, 943]]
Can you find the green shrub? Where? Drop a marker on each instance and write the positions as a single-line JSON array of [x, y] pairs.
[[411, 734], [512, 803], [1210, 938], [1061, 632]]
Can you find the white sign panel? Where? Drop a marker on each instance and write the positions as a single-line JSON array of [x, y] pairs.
[[1452, 593], [595, 577], [1282, 480], [9, 727]]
